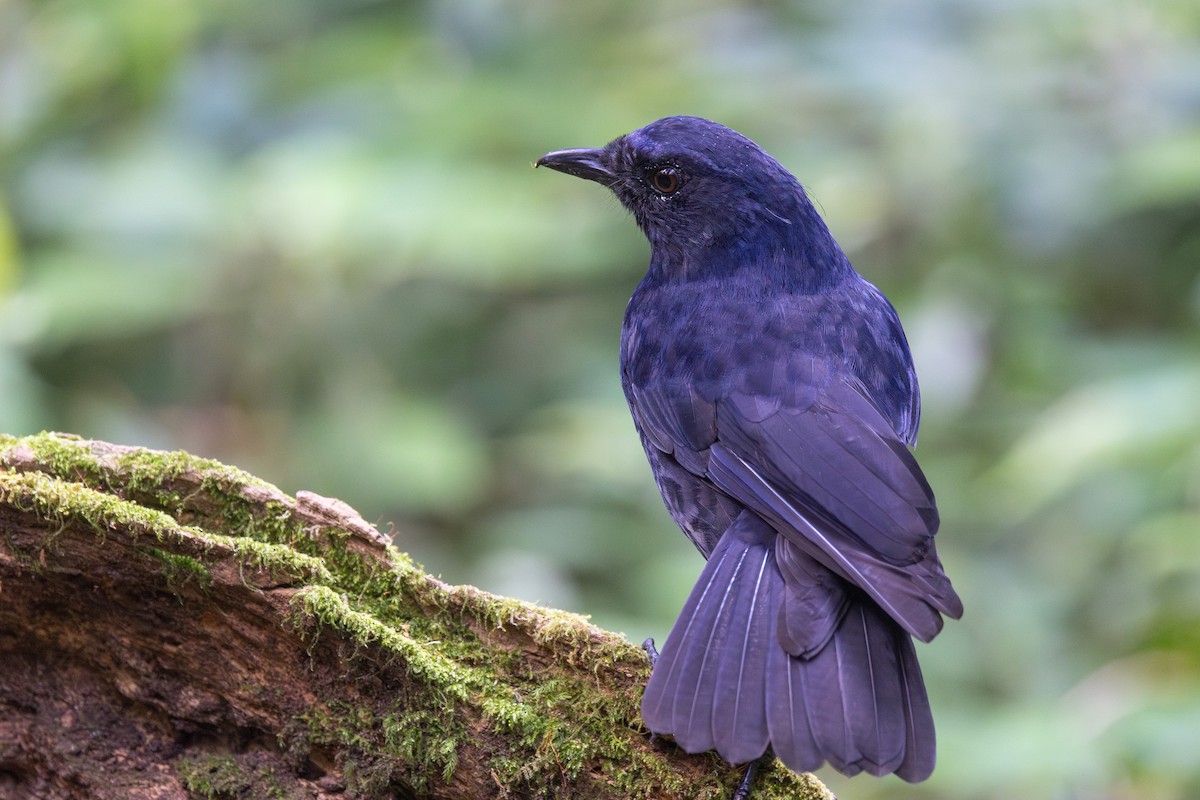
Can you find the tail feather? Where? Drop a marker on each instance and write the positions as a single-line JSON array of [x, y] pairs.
[[739, 719], [919, 751], [725, 681], [853, 697], [862, 699], [708, 655], [787, 718], [673, 690], [814, 601]]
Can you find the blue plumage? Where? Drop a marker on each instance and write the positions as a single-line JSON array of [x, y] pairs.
[[775, 396]]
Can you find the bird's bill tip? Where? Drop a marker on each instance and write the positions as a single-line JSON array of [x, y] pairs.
[[582, 163]]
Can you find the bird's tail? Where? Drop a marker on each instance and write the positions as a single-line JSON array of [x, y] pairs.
[[724, 681]]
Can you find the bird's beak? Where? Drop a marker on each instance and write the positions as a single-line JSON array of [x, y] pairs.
[[581, 163]]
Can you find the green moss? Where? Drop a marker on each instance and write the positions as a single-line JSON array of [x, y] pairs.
[[561, 733], [222, 777], [397, 617], [181, 569], [275, 558], [61, 503], [413, 744], [424, 739], [213, 777], [148, 469], [64, 456], [436, 671], [147, 477]]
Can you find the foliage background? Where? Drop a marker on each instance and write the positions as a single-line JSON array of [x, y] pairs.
[[303, 236]]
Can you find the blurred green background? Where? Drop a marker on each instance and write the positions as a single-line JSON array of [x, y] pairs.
[[305, 237]]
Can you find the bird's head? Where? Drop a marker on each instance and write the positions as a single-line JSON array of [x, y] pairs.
[[694, 185]]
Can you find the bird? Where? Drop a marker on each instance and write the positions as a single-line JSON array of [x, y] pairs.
[[775, 396]]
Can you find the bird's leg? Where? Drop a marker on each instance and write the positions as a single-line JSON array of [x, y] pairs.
[[652, 654], [651, 651], [742, 792]]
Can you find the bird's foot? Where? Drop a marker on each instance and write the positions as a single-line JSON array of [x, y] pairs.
[[742, 792], [651, 651]]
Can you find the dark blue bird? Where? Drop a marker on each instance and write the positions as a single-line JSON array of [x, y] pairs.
[[774, 393]]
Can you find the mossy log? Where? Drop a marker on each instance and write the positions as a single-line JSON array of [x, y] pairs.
[[171, 627]]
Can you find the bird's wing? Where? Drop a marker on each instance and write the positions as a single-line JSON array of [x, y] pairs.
[[808, 451], [838, 457]]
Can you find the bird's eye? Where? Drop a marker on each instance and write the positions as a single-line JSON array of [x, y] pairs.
[[665, 180]]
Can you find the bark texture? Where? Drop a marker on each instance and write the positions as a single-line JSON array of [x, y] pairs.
[[171, 627]]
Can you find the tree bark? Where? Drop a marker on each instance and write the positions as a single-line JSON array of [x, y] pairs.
[[171, 627]]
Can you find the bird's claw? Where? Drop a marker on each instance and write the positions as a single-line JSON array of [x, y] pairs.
[[651, 651]]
